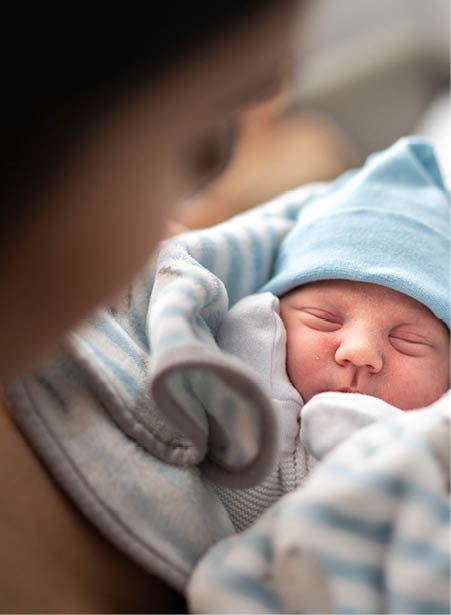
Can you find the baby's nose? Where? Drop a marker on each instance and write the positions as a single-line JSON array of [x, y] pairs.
[[360, 349]]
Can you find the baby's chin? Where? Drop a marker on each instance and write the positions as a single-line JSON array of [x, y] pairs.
[[351, 391]]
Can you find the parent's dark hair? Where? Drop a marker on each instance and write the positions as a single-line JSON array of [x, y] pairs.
[[62, 62]]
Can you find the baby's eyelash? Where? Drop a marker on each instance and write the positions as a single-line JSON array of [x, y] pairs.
[[321, 320], [322, 314], [408, 346], [409, 340]]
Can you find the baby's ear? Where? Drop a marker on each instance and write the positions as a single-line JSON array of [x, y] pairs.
[[329, 418]]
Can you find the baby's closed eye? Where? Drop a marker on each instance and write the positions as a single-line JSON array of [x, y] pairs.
[[410, 344], [319, 319]]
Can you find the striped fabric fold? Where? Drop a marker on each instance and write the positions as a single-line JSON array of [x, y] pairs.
[[368, 533]]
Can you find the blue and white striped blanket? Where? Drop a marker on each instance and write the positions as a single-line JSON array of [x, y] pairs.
[[141, 410], [368, 533]]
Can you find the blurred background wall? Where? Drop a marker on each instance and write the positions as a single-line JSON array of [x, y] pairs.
[[375, 67]]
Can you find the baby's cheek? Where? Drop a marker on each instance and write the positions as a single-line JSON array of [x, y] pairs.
[[307, 363], [417, 383], [438, 379], [323, 346]]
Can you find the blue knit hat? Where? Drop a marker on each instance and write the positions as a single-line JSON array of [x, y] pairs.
[[387, 223]]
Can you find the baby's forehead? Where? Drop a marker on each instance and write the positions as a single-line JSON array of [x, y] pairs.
[[348, 288]]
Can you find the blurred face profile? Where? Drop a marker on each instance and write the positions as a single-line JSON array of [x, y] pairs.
[[99, 220]]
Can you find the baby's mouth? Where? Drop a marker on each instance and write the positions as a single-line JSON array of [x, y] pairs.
[[346, 390]]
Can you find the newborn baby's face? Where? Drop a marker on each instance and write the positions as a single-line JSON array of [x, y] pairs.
[[365, 338]]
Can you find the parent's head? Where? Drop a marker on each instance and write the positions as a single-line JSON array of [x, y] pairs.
[[110, 117]]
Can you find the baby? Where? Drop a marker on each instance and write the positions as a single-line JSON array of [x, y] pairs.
[[358, 337], [359, 302]]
